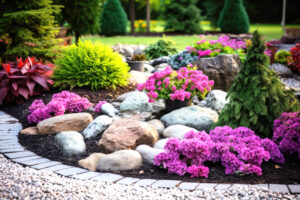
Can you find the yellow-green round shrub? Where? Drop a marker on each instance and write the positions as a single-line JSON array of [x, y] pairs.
[[90, 65]]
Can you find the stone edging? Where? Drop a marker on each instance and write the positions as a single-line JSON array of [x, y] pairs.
[[12, 149]]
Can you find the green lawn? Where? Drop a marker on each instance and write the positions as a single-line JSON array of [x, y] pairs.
[[269, 31]]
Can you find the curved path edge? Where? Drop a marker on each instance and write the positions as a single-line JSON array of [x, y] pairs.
[[13, 150]]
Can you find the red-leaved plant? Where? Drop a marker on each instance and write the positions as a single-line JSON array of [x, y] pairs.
[[295, 64], [21, 79]]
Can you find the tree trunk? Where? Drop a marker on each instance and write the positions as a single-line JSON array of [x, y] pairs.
[[77, 36], [148, 16], [283, 14], [132, 16]]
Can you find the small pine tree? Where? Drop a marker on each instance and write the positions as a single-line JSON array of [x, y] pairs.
[[233, 18], [182, 16], [29, 27], [113, 18], [257, 96]]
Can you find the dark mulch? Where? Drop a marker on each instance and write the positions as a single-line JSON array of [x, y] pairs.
[[289, 173]]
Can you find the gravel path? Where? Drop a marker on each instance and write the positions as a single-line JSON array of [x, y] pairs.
[[18, 182]]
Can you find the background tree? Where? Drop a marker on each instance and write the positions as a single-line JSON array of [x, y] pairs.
[[113, 18], [29, 27], [182, 16], [82, 15], [257, 96], [213, 9], [233, 18], [283, 14]]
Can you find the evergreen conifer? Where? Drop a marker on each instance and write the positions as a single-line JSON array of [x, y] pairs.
[[82, 15], [182, 16], [113, 18], [29, 27], [257, 96], [233, 18]]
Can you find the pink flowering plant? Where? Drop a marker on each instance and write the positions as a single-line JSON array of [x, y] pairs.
[[239, 151], [287, 133], [223, 45], [177, 85], [60, 103]]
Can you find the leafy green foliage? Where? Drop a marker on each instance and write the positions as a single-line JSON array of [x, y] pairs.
[[233, 18], [29, 27], [83, 16], [282, 57], [139, 57], [113, 18], [182, 16], [160, 48], [213, 9], [257, 96], [91, 65]]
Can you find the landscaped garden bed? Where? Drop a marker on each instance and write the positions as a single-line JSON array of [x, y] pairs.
[[117, 130]]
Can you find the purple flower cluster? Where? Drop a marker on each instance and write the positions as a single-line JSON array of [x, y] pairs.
[[60, 103], [287, 133], [98, 106], [239, 151], [177, 85]]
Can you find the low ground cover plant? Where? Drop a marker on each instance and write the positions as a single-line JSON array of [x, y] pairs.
[[59, 104], [257, 96], [160, 48], [90, 65], [239, 151], [23, 78], [287, 133], [283, 57], [177, 85]]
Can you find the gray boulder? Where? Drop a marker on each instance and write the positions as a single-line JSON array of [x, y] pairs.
[[215, 100], [120, 160], [97, 126], [122, 97], [163, 59], [160, 144], [140, 49], [109, 110], [158, 125], [128, 51], [135, 103], [161, 67], [192, 116], [148, 153], [281, 70], [148, 68], [158, 105], [177, 131], [70, 142], [292, 83], [222, 69]]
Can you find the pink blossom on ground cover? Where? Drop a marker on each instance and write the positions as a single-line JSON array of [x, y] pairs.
[[287, 133], [98, 106], [239, 151], [177, 85], [60, 103]]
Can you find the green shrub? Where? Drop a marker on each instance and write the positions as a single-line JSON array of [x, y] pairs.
[[182, 16], [160, 48], [92, 65], [282, 57], [139, 57], [257, 96], [233, 18], [113, 18], [29, 27]]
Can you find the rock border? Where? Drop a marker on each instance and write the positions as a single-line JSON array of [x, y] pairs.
[[13, 150]]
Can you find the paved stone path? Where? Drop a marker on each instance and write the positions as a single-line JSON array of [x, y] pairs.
[[10, 147]]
